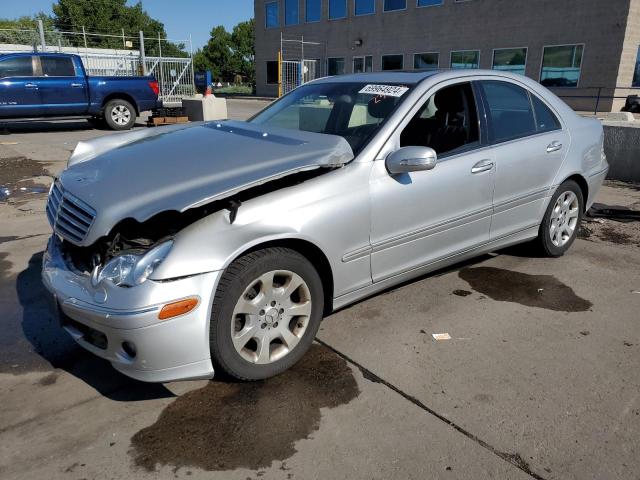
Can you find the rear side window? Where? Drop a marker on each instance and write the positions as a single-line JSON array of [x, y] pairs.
[[545, 119], [16, 67], [510, 112], [57, 67]]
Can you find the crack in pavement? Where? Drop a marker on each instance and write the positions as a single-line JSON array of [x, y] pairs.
[[513, 458]]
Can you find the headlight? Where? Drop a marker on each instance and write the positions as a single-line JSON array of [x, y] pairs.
[[129, 270]]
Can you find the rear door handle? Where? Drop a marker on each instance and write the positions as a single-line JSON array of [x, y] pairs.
[[31, 85], [482, 166], [77, 85], [554, 147]]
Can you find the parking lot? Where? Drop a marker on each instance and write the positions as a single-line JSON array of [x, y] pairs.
[[540, 377]]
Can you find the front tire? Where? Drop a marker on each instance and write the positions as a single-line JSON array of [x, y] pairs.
[[561, 221], [265, 313], [119, 114]]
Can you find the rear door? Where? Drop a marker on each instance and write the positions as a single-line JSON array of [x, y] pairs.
[[62, 86], [529, 146], [18, 89]]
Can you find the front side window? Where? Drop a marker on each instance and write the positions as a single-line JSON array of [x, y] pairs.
[[391, 5], [465, 59], [16, 67], [561, 66], [392, 62], [313, 10], [272, 72], [271, 14], [447, 122], [291, 16], [365, 7], [510, 113], [335, 66], [429, 3], [57, 67], [337, 9], [426, 61], [363, 64], [636, 72], [512, 60], [334, 109]]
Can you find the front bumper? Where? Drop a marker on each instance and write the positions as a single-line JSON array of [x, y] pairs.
[[101, 319]]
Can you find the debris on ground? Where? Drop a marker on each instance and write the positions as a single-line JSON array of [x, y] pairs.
[[441, 336]]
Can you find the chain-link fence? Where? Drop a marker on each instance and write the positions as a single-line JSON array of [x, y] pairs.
[[300, 61], [170, 61]]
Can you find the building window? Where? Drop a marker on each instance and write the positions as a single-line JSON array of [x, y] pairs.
[[561, 66], [636, 73], [363, 64], [272, 72], [465, 59], [337, 9], [291, 14], [271, 15], [392, 62], [364, 7], [429, 3], [391, 5], [512, 60], [313, 10], [335, 66], [426, 61]]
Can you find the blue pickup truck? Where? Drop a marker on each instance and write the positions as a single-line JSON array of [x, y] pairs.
[[45, 85]]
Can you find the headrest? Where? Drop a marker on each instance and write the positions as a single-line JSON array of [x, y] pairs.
[[380, 107], [449, 100]]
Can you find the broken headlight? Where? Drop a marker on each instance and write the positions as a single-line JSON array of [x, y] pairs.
[[128, 269]]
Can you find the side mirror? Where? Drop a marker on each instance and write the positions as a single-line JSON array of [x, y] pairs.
[[411, 159]]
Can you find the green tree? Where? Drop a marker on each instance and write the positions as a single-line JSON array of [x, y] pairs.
[[24, 30], [243, 45], [111, 17]]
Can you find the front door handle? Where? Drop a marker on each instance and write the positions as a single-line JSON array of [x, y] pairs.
[[31, 85], [554, 147], [77, 85], [482, 166]]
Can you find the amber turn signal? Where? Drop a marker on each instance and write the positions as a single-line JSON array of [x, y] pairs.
[[180, 307]]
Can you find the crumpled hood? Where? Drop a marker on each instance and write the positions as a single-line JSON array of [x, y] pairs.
[[141, 174]]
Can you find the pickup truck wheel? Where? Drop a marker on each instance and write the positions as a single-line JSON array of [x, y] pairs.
[[265, 313], [119, 114]]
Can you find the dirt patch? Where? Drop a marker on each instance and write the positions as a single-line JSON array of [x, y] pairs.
[[48, 380], [225, 426], [542, 291], [16, 174], [461, 293]]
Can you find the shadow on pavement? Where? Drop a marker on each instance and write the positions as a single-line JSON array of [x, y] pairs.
[[49, 342]]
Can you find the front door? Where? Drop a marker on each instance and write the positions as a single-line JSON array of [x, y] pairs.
[[63, 91], [421, 217], [18, 90]]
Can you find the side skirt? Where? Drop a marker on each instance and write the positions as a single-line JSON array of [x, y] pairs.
[[499, 243]]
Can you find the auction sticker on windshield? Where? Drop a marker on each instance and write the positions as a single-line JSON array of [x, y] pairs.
[[386, 90]]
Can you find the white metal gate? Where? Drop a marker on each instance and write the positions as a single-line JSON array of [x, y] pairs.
[[300, 62]]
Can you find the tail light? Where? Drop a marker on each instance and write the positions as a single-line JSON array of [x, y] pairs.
[[154, 86]]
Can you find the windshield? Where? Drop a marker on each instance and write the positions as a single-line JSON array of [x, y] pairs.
[[354, 111]]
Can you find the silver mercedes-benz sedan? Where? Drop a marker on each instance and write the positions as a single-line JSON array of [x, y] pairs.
[[220, 245]]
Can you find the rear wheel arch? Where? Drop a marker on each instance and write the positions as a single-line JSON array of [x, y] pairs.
[[582, 183], [120, 96]]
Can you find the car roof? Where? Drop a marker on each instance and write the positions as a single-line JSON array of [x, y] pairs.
[[396, 76]]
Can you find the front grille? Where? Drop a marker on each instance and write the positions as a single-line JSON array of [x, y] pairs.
[[69, 217]]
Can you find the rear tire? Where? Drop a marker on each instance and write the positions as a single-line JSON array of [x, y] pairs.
[[265, 313], [561, 221], [119, 114]]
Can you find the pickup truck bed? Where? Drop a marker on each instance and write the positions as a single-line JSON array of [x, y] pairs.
[[44, 85]]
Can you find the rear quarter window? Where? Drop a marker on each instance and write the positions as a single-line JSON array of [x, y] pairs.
[[57, 67], [546, 121]]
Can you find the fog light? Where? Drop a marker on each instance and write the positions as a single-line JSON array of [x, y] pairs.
[[129, 348], [180, 307]]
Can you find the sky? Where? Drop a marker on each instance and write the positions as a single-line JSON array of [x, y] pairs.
[[180, 17]]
